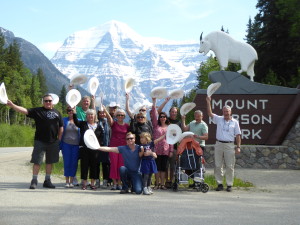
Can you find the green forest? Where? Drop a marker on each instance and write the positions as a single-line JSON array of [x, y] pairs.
[[274, 32]]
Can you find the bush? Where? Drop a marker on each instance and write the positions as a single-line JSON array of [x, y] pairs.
[[16, 135]]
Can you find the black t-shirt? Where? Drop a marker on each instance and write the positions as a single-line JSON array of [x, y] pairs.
[[47, 122]]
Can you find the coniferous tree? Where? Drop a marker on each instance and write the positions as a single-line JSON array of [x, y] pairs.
[[275, 36], [62, 98], [42, 80]]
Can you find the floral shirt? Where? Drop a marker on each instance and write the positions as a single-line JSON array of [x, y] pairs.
[[162, 147]]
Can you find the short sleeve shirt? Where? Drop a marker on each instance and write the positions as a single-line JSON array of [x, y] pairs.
[[199, 129], [47, 122], [81, 114], [226, 130], [132, 160]]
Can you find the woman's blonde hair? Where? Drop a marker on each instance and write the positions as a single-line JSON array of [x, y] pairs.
[[146, 135], [93, 112]]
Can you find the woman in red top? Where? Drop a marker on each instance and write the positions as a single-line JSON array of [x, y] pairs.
[[119, 130]]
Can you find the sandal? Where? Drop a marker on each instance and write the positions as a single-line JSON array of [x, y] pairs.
[[83, 187], [156, 187], [93, 187], [163, 187]]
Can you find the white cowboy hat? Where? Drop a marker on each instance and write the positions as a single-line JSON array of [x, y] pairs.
[[78, 79], [55, 98], [185, 134], [212, 88], [159, 92], [129, 83], [173, 134], [3, 95], [113, 104], [93, 85], [186, 108], [176, 94], [91, 140], [137, 106], [73, 97]]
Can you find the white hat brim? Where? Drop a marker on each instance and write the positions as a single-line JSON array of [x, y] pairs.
[[173, 134], [3, 94], [212, 88], [185, 134], [129, 83], [186, 108], [93, 85], [136, 107], [78, 79], [159, 92], [55, 98], [91, 140], [73, 97], [176, 94]]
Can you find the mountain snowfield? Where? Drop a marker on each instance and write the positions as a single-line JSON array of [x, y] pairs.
[[113, 52]]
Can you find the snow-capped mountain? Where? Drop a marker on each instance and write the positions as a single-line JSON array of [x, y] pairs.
[[112, 52]]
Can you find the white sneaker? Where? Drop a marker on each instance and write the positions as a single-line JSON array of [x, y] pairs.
[[67, 185], [75, 181], [105, 185], [71, 185], [97, 183], [150, 190], [145, 191]]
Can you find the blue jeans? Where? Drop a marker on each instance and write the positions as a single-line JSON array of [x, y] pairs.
[[134, 178]]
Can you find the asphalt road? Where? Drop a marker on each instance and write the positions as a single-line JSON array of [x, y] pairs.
[[274, 200]]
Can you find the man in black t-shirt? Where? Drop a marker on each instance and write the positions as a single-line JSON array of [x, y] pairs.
[[49, 129]]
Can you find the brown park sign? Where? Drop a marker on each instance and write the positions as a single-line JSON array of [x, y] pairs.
[[265, 113]]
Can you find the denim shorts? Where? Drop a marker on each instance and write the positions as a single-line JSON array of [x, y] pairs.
[[41, 148]]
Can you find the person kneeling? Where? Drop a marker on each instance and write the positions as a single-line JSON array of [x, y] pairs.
[[131, 154]]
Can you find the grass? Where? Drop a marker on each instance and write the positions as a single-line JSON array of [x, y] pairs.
[[58, 170], [16, 135]]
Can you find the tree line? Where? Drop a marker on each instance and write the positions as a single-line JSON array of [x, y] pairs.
[[22, 87]]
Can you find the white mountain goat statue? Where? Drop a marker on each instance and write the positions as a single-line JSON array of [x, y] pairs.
[[227, 50]]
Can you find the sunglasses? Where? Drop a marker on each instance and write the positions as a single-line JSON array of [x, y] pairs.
[[162, 117], [131, 138], [120, 115], [142, 110], [47, 101], [70, 110], [140, 117]]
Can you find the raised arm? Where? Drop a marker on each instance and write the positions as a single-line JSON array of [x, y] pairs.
[[183, 126], [160, 108], [93, 103], [110, 120], [130, 114], [17, 108], [209, 111]]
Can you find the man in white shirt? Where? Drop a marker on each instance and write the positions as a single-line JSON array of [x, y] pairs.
[[228, 131]]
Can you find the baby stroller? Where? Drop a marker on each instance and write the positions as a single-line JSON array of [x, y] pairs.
[[190, 164]]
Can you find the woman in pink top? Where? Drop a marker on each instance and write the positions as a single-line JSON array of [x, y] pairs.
[[162, 149], [119, 130]]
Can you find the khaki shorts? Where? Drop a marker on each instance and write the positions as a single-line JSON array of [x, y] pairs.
[[41, 148]]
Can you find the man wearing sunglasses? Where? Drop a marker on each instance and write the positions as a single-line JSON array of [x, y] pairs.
[[131, 154], [49, 129]]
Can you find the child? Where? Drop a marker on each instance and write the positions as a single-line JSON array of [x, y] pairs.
[[148, 165]]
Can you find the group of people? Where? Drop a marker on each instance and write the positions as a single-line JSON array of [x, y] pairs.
[[130, 153]]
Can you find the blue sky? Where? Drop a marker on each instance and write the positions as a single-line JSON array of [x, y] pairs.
[[47, 24]]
